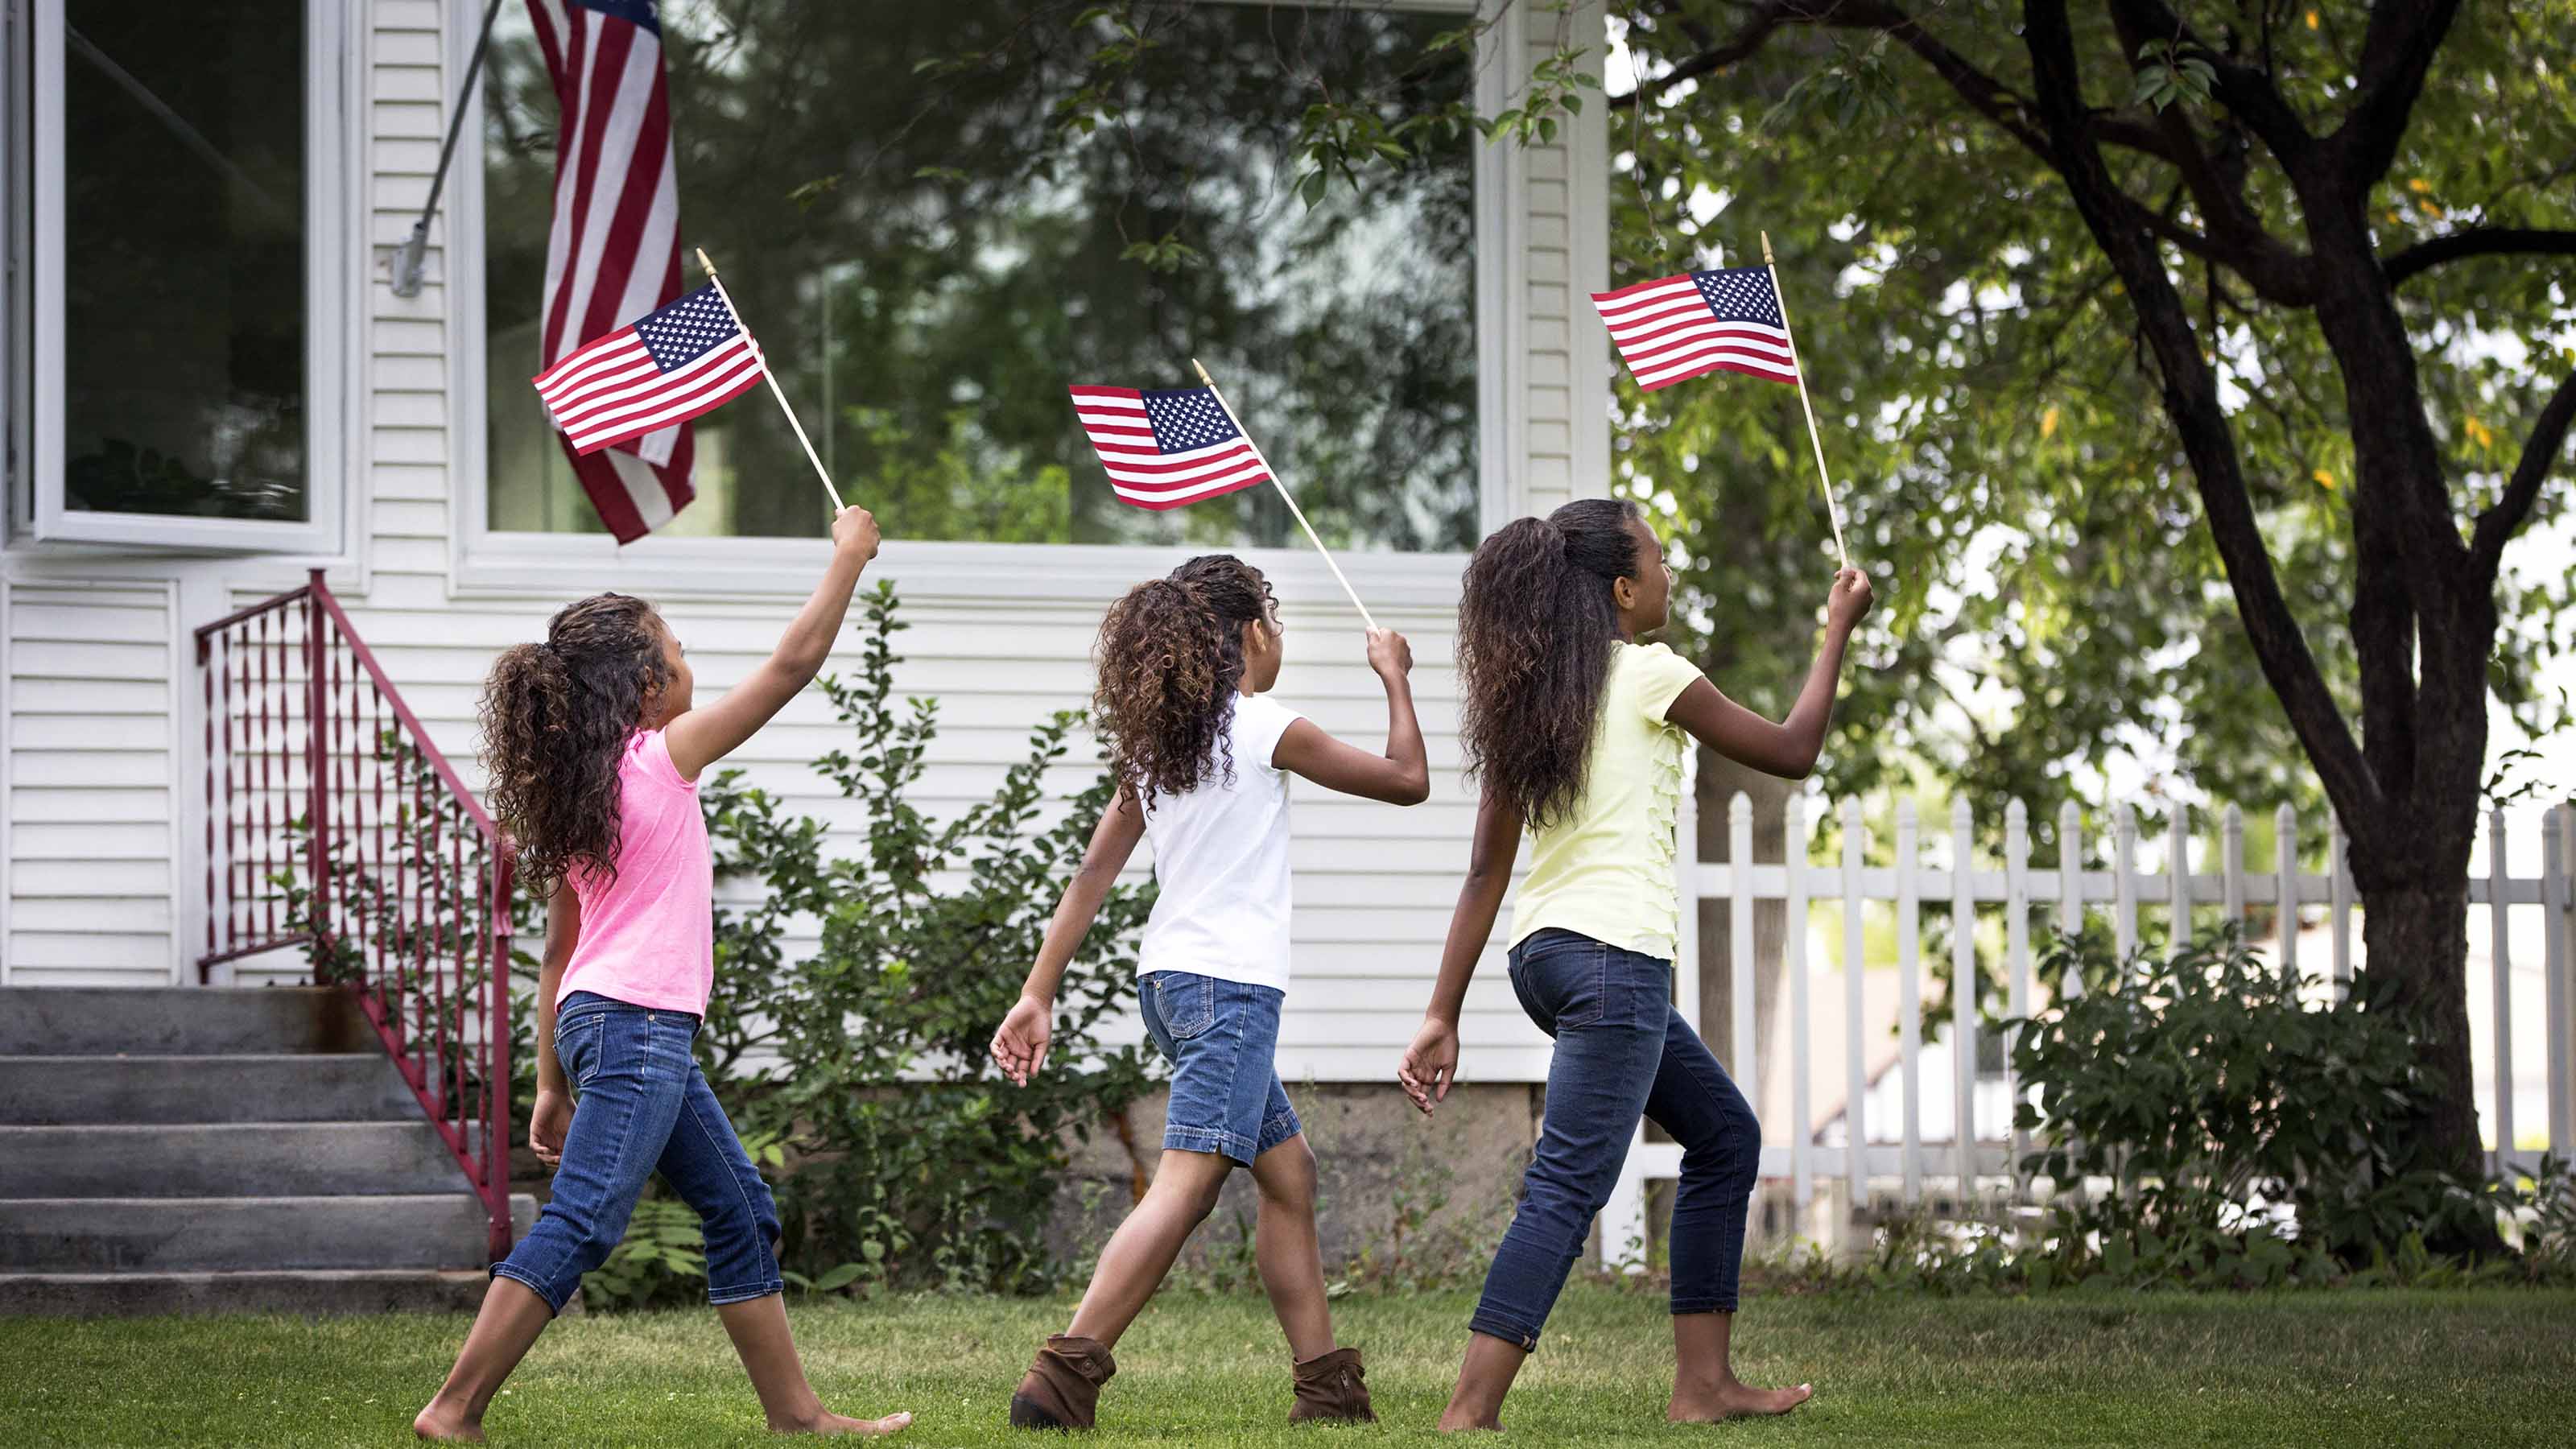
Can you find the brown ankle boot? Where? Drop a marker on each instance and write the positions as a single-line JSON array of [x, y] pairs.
[[1329, 1390], [1062, 1388]]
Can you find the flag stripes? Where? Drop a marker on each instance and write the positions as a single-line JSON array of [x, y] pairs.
[[665, 368], [1194, 453], [1680, 327]]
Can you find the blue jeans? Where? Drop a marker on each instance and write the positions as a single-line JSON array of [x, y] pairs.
[[1221, 1038], [1622, 1052], [644, 1106]]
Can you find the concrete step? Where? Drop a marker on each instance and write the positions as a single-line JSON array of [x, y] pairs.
[[244, 1159], [231, 1234], [135, 1295], [179, 1020], [269, 1087]]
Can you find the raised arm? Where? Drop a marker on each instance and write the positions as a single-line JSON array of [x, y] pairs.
[[1787, 749], [550, 1117], [1430, 1065], [1020, 1044], [1402, 775], [703, 736]]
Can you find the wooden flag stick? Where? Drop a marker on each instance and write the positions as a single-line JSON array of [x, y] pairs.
[[776, 392], [1824, 479], [1293, 509]]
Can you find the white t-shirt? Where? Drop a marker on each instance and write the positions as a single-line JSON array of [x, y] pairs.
[[1221, 860]]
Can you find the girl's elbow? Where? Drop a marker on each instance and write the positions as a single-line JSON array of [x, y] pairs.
[[1411, 790]]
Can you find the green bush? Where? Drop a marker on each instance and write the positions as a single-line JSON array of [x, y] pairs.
[[916, 1163], [2252, 1136]]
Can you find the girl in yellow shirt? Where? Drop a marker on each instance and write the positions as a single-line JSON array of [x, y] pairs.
[[1577, 732]]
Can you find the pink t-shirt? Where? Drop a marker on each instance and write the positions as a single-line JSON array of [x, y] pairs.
[[648, 934]]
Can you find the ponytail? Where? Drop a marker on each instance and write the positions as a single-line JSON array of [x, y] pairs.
[[1536, 624], [1170, 662], [556, 716]]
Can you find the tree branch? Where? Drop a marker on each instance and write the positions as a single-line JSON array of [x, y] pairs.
[[2477, 241], [2244, 90], [2500, 522], [2191, 400], [2396, 51], [2277, 271]]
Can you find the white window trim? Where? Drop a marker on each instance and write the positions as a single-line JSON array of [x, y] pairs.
[[489, 563], [331, 331]]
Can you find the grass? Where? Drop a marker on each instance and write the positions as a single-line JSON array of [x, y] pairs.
[[2490, 1367]]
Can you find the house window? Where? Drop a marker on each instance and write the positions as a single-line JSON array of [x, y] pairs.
[[175, 353], [926, 272]]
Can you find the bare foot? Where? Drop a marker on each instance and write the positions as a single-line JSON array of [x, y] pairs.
[[1451, 1423], [1734, 1401], [827, 1422], [440, 1422]]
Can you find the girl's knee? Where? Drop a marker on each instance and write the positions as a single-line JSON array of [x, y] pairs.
[[1731, 1160], [1287, 1176], [747, 1221]]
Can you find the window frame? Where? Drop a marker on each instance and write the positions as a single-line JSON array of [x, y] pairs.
[[488, 562], [39, 511]]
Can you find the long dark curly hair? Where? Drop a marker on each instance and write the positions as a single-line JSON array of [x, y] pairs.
[[1170, 658], [1535, 629], [556, 719]]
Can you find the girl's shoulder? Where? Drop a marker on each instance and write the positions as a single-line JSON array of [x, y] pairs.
[[1257, 723], [648, 753], [1652, 675]]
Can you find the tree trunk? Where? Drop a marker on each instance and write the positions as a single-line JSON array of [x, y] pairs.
[[2417, 937]]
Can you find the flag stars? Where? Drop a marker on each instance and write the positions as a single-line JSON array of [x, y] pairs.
[[687, 329], [1187, 419], [1739, 294]]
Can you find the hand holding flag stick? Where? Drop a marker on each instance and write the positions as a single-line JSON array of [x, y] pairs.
[[774, 390]]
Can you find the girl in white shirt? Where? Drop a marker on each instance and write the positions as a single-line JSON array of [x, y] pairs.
[[1202, 758]]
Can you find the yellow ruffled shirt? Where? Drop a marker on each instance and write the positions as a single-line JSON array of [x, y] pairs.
[[1605, 869]]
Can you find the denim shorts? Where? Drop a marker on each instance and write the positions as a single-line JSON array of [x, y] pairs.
[[1220, 1037], [642, 1106]]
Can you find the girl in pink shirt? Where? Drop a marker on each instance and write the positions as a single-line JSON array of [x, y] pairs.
[[595, 754]]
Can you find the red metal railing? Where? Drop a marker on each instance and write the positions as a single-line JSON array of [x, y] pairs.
[[334, 824]]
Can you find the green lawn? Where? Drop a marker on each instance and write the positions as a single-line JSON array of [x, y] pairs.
[[2491, 1367]]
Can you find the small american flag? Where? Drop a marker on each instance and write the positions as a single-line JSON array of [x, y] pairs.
[[1164, 449], [664, 368], [1680, 327]]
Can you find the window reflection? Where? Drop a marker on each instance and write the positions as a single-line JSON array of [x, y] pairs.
[[183, 235], [927, 272]]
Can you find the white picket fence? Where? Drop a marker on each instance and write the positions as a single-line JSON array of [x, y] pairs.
[[1978, 1163]]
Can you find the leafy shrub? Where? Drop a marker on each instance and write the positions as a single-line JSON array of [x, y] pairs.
[[2251, 1135], [915, 1160], [660, 1263]]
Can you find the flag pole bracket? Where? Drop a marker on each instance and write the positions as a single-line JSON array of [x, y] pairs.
[[409, 258]]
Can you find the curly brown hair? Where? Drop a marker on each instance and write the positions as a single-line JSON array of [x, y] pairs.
[[1536, 625], [1170, 660], [556, 719]]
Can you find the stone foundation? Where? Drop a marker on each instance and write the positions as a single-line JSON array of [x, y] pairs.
[[1399, 1194]]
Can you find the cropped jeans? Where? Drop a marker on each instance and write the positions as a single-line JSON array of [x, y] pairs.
[[1622, 1052], [644, 1107]]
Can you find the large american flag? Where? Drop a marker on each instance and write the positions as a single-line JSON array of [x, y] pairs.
[[614, 253], [665, 368], [1680, 327], [1164, 449]]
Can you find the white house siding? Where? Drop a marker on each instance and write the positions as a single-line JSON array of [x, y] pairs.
[[90, 778], [1374, 883]]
